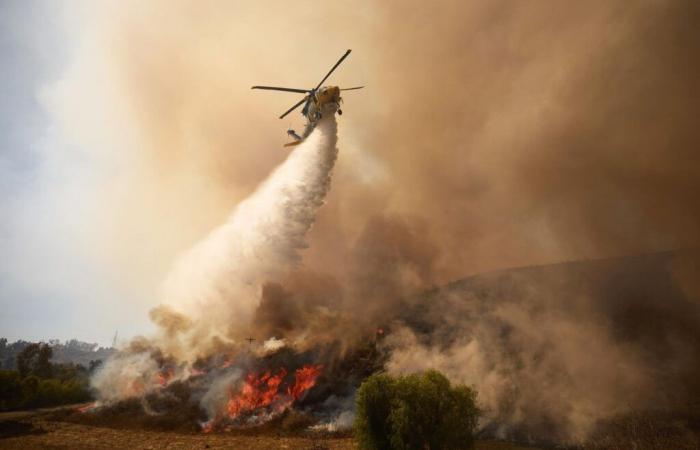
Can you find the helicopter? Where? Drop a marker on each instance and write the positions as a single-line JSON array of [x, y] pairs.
[[317, 102]]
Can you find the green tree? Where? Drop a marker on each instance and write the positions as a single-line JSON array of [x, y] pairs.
[[30, 391], [37, 382], [373, 431], [35, 359], [415, 412]]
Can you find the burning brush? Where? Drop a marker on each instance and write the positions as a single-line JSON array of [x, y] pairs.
[[196, 365], [242, 391], [264, 396]]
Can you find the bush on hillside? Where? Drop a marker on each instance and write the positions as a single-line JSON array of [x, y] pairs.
[[415, 412]]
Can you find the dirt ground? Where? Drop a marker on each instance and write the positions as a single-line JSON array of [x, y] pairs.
[[29, 430]]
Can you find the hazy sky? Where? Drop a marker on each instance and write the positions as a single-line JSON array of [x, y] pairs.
[[48, 289]]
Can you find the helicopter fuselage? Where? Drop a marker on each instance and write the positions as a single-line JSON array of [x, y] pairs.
[[321, 101], [318, 102]]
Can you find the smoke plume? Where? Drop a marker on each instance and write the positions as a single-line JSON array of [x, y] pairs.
[[214, 289], [217, 284]]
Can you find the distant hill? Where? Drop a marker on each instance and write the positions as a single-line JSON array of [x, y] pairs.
[[651, 298], [557, 349], [72, 351]]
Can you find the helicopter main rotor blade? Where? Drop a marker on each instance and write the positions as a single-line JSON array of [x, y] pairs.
[[301, 102], [352, 88], [274, 88], [332, 69]]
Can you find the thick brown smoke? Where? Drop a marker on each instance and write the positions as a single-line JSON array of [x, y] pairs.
[[520, 133], [544, 132], [557, 350], [391, 261]]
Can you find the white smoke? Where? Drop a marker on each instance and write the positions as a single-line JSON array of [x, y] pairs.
[[273, 344], [214, 399], [217, 283], [342, 414], [125, 375], [213, 290]]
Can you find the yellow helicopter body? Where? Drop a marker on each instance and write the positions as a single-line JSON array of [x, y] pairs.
[[317, 102]]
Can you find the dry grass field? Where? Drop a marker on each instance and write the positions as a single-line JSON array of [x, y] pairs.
[[41, 430]]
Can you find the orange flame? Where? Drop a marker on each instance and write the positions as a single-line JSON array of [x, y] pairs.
[[88, 407], [163, 378], [256, 392], [305, 379], [262, 391], [208, 427]]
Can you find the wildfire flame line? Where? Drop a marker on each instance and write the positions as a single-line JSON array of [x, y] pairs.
[[260, 395], [261, 391]]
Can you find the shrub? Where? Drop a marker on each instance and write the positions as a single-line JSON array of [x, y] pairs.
[[415, 412], [35, 392], [10, 389], [37, 382], [53, 392], [374, 397]]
